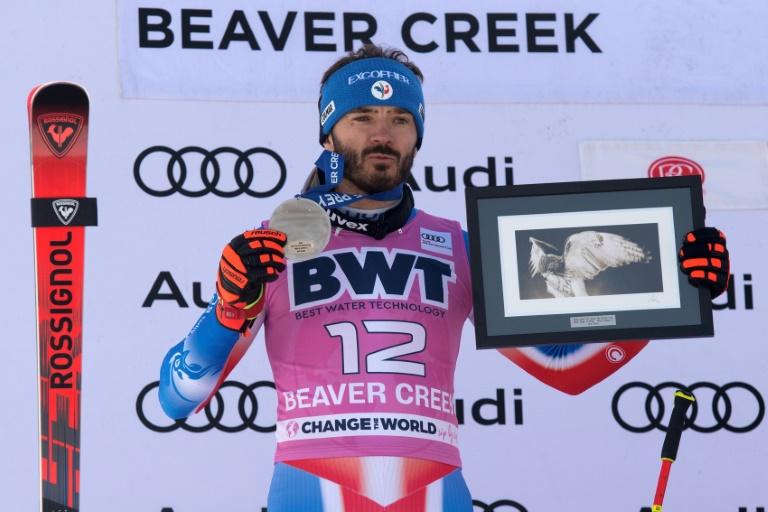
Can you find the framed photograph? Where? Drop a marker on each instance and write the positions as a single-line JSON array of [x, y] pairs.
[[586, 261]]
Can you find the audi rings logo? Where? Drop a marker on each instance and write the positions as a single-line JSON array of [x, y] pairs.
[[247, 411], [194, 172], [433, 238], [736, 407]]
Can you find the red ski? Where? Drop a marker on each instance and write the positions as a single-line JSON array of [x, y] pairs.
[[58, 130]]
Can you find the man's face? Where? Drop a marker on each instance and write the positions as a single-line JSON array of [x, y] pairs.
[[378, 145]]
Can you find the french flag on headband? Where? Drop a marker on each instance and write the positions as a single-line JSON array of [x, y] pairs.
[[586, 364]]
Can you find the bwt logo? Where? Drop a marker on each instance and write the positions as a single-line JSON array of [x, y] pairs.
[[368, 274]]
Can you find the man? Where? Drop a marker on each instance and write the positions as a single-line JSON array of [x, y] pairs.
[[363, 338]]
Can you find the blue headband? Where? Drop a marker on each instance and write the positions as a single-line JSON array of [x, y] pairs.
[[371, 82]]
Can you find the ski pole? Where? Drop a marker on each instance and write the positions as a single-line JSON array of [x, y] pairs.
[[683, 400]]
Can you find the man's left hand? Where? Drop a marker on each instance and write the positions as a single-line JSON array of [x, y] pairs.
[[704, 259]]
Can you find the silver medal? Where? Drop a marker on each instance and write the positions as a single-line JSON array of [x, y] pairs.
[[306, 226]]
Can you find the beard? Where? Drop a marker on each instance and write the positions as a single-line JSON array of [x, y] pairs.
[[379, 180]]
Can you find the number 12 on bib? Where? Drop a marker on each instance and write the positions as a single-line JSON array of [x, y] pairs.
[[58, 130]]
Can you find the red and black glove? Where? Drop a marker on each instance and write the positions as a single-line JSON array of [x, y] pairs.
[[247, 263], [704, 259]]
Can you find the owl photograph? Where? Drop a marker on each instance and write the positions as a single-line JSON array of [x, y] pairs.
[[588, 261]]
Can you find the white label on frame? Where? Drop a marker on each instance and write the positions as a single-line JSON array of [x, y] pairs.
[[592, 321]]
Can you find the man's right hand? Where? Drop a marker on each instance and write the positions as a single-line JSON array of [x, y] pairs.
[[247, 263]]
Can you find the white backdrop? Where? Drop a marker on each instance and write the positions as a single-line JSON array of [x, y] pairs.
[[564, 453]]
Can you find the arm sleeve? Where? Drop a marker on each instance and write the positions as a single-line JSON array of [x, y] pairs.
[[192, 370]]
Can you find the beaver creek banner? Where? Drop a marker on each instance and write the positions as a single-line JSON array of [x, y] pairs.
[[595, 51]]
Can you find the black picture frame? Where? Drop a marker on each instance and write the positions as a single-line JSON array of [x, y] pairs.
[[645, 298]]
